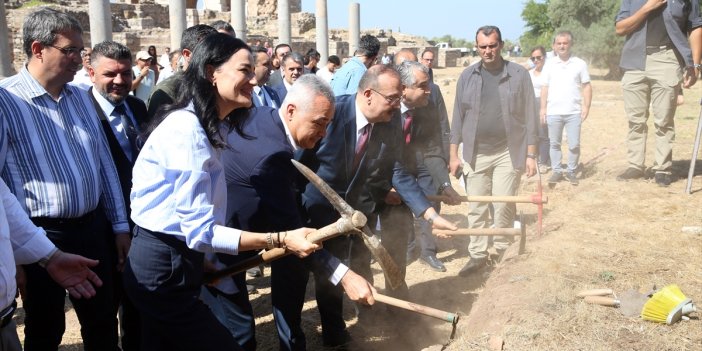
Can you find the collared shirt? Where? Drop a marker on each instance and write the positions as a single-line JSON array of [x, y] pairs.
[[288, 135], [54, 154], [564, 80], [115, 122], [143, 91], [680, 17], [347, 77], [325, 74], [82, 79], [517, 104], [21, 242], [179, 186], [361, 122]]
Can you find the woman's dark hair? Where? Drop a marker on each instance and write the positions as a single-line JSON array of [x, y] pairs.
[[196, 87], [539, 48]]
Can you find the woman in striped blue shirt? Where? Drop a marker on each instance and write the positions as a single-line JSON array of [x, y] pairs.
[[179, 201]]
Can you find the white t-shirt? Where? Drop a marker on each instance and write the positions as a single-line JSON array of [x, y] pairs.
[[147, 83], [564, 80], [537, 81]]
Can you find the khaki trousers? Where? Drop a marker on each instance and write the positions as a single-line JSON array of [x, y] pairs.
[[493, 175], [656, 86]]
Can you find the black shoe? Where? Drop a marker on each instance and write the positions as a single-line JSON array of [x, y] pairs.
[[473, 265], [663, 179], [555, 178], [433, 262], [572, 178], [630, 173]]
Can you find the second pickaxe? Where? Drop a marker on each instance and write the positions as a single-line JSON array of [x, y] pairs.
[[393, 275]]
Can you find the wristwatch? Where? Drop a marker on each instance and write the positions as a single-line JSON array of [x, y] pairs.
[[443, 187], [531, 156]]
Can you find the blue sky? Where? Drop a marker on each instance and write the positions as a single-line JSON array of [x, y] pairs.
[[433, 18]]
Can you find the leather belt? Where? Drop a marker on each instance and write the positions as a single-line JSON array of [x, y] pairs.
[[6, 314], [61, 223], [654, 49]]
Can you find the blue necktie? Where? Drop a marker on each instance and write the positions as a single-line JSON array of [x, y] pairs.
[[129, 131]]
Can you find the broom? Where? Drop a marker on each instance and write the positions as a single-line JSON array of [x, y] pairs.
[[668, 305]]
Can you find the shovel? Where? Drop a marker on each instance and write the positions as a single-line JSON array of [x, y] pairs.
[[629, 302]]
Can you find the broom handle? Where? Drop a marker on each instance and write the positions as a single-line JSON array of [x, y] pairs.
[[695, 150], [603, 301], [596, 292]]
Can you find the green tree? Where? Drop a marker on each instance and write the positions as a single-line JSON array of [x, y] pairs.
[[592, 25], [539, 27]]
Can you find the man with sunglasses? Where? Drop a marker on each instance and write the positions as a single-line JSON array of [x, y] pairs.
[[55, 159], [657, 56], [494, 117]]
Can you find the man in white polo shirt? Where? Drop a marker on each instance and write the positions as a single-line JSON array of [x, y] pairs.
[[565, 103]]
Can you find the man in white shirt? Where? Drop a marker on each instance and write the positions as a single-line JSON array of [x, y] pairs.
[[21, 242], [144, 77], [82, 77], [563, 105], [327, 72]]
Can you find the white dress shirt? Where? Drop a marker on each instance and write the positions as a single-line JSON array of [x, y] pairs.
[[21, 242], [179, 188]]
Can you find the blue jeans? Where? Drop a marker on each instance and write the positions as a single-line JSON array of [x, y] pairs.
[[556, 124]]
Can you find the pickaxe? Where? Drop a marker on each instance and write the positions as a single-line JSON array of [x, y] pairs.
[[392, 272], [521, 232], [345, 224]]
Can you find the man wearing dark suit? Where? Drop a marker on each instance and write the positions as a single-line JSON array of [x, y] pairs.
[[120, 115], [263, 95], [426, 152], [277, 75], [292, 65], [359, 158], [261, 196]]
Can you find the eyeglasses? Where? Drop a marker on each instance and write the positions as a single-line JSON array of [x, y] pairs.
[[70, 51], [391, 100], [536, 58], [491, 46]]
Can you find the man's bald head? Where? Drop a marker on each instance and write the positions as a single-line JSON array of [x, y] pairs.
[[404, 55]]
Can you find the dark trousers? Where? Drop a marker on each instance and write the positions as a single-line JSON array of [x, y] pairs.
[[45, 323], [163, 278], [289, 277], [329, 296], [234, 311], [396, 224], [427, 241], [129, 321]]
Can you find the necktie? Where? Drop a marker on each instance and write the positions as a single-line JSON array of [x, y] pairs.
[[129, 131], [262, 97], [407, 127], [361, 145]]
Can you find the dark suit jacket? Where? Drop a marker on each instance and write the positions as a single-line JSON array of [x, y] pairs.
[[281, 91], [122, 162], [261, 194], [426, 147], [272, 93], [275, 78], [380, 168]]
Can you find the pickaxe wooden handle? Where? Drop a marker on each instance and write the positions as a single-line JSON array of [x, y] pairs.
[[343, 225], [529, 199], [491, 232], [410, 306], [393, 275]]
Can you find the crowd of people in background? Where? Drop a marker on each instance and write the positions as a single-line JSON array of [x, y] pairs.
[[127, 176]]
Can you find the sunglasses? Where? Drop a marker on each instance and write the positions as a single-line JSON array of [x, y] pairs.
[[536, 58]]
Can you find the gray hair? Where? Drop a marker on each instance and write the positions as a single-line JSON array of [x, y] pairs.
[[564, 33], [112, 50], [407, 70], [293, 56], [306, 89], [44, 24]]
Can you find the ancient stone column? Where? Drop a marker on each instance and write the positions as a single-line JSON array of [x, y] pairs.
[[284, 22], [100, 21], [176, 17], [239, 18], [6, 68], [354, 26], [322, 32]]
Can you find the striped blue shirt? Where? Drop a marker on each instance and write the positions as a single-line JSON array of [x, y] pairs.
[[178, 186], [54, 155]]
